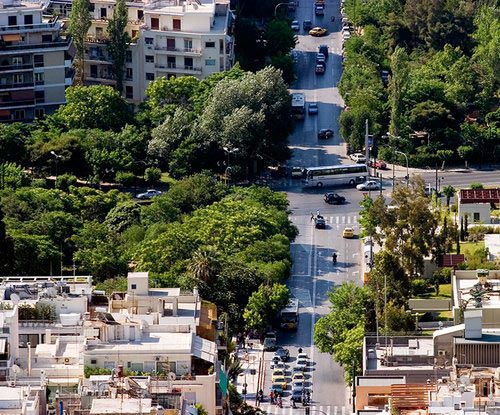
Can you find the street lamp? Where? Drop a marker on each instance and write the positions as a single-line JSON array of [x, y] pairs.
[[229, 151], [57, 158], [407, 170], [276, 8]]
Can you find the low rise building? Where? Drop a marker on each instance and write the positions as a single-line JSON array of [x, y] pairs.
[[476, 205]]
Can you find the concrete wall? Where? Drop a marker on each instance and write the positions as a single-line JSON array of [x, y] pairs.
[[483, 209]]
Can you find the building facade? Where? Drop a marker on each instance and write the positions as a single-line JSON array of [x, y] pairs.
[[35, 61]]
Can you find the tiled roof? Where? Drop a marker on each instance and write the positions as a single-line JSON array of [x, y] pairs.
[[480, 195]]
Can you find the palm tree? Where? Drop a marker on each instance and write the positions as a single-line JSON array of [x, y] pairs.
[[449, 192], [205, 264]]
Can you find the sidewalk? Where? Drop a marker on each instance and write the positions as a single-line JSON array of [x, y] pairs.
[[251, 360]]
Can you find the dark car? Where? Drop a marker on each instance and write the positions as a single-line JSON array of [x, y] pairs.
[[320, 222], [277, 389], [283, 354], [296, 395], [325, 133], [307, 25], [334, 199], [324, 50]]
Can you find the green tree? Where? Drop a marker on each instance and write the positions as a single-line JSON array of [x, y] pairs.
[[152, 175], [6, 248], [79, 24], [264, 304], [97, 106], [123, 215], [205, 264], [118, 42], [449, 191], [397, 89], [465, 152], [280, 38]]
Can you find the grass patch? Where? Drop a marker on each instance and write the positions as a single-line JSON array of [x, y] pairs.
[[444, 316], [167, 179], [444, 291]]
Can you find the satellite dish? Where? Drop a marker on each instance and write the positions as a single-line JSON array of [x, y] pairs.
[[171, 376], [15, 298]]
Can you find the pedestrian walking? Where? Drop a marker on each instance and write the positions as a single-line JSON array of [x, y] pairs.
[[271, 397], [317, 213], [300, 349], [312, 216]]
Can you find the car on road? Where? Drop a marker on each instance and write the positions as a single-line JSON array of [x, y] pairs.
[[320, 222], [302, 356], [319, 69], [276, 388], [312, 108], [318, 31], [270, 341], [324, 50], [325, 133], [295, 25], [283, 354], [320, 58], [348, 233], [358, 157], [277, 364], [378, 164], [297, 172], [301, 363], [429, 190], [277, 374], [296, 370], [280, 380], [294, 55], [334, 199], [298, 386], [307, 25], [298, 377], [148, 194], [369, 185]]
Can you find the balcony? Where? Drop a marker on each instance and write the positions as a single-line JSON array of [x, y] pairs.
[[97, 39], [19, 85], [178, 51], [17, 103], [96, 57], [54, 24], [173, 68], [100, 77], [16, 68], [57, 43]]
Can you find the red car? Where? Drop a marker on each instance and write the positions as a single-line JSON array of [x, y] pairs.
[[378, 164]]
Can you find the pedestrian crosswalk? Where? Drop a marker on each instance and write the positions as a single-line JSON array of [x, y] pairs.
[[341, 220], [315, 409]]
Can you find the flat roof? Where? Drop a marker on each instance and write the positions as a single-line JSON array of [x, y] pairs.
[[487, 337], [425, 348], [492, 243], [123, 406], [463, 286]]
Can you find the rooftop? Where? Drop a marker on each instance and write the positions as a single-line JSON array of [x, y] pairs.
[[490, 300], [122, 406], [479, 196]]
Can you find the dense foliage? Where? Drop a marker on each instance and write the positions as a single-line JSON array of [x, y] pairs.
[[225, 241], [440, 102]]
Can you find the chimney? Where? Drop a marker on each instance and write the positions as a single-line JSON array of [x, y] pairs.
[[473, 320]]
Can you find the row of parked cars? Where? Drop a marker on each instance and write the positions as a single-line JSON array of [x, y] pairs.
[[283, 375]]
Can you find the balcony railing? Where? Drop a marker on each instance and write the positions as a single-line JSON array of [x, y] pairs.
[[94, 57], [17, 103], [182, 50], [97, 39], [30, 27], [177, 67], [60, 42], [17, 85], [16, 67]]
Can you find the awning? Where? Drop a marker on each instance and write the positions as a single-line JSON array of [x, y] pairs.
[[11, 38], [204, 349], [3, 346], [63, 381]]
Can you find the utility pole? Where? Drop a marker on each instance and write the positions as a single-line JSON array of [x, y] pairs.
[[367, 147]]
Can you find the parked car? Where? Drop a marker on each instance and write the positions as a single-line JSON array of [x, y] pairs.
[[277, 389], [280, 380], [312, 108], [358, 157], [298, 386], [295, 25], [301, 363], [318, 31], [282, 353], [307, 25], [325, 133], [296, 395], [277, 374], [320, 222], [378, 164], [324, 50], [298, 377], [369, 185], [276, 363], [148, 194], [334, 199], [296, 370], [319, 69], [348, 233]]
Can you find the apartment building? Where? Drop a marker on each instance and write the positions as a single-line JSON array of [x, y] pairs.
[[35, 61], [169, 39]]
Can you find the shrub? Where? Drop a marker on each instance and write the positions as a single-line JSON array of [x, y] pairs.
[[152, 175], [419, 286], [64, 181], [125, 178], [476, 186], [442, 276]]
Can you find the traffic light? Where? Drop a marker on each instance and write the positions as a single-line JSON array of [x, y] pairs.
[[308, 410]]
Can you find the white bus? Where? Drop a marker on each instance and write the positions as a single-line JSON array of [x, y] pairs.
[[290, 315], [335, 175]]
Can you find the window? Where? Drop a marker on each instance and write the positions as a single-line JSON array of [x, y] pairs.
[[38, 61], [28, 19], [133, 286], [129, 73], [210, 44], [109, 365], [40, 97], [93, 71], [46, 38], [129, 94], [20, 115], [17, 60], [104, 12], [93, 361], [188, 44], [188, 63], [140, 14], [150, 58], [210, 62], [135, 34], [12, 20], [128, 56], [155, 23], [18, 78], [39, 78], [170, 43], [150, 76], [148, 40], [171, 63], [176, 24], [221, 46], [477, 217], [39, 112]]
